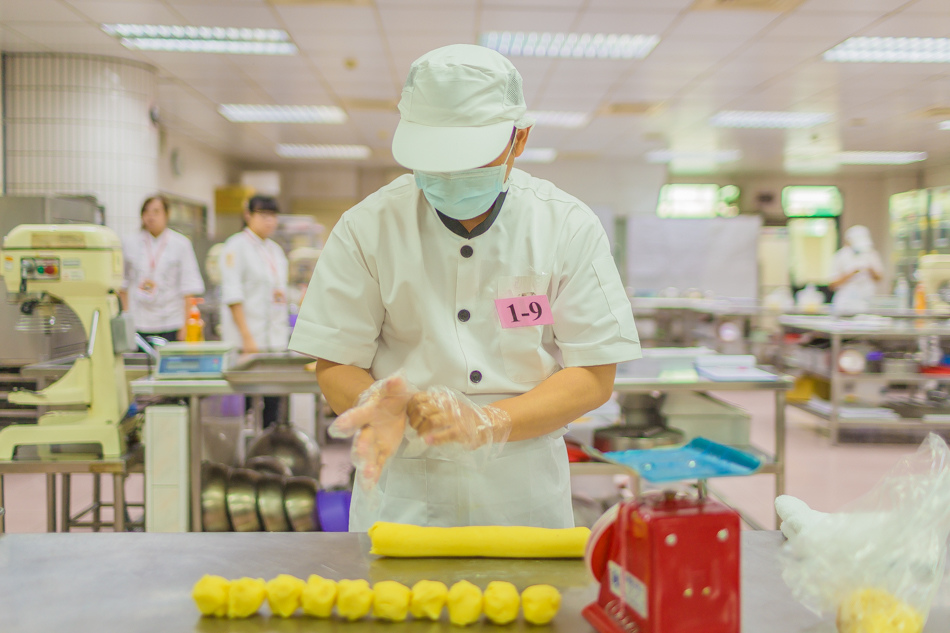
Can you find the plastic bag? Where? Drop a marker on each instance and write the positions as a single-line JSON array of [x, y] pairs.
[[883, 556]]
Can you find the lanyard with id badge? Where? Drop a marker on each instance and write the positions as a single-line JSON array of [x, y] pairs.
[[523, 301], [147, 290]]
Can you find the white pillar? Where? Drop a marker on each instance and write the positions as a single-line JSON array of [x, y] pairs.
[[80, 125]]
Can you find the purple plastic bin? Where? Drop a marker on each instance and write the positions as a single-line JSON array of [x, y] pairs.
[[333, 510]]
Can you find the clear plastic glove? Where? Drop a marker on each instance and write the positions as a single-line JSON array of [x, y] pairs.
[[378, 420], [441, 415]]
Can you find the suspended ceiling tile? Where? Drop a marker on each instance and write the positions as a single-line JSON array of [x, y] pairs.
[[640, 5], [365, 67], [709, 50], [340, 43], [852, 6], [426, 20], [310, 94], [916, 25], [259, 17], [193, 66], [535, 4], [291, 67], [235, 90], [742, 24], [327, 18], [80, 38], [365, 90], [13, 42], [831, 28], [934, 7], [630, 21], [124, 12], [37, 11], [511, 19]]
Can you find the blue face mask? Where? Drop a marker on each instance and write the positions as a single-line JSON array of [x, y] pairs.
[[463, 195]]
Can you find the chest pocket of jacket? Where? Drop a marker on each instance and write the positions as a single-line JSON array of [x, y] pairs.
[[521, 349]]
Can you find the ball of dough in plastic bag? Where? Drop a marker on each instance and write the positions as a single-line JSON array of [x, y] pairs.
[[391, 601], [465, 603], [283, 595], [211, 595], [318, 596], [876, 611], [501, 602], [246, 596], [428, 598], [540, 603], [354, 599]]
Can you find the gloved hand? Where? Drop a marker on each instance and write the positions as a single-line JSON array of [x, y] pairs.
[[378, 420], [441, 415]]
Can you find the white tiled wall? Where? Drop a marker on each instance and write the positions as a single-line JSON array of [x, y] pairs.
[[79, 124]]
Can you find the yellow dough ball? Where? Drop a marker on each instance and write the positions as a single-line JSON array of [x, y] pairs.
[[211, 595], [877, 611], [283, 595], [465, 603], [540, 603], [391, 601], [318, 596], [428, 598], [246, 597], [354, 599], [501, 602]]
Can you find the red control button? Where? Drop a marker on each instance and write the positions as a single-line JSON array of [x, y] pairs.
[[51, 270]]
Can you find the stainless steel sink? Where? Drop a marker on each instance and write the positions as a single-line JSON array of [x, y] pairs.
[[283, 367]]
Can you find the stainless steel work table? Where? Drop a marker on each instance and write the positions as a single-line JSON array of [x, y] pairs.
[[270, 374], [635, 377], [89, 583]]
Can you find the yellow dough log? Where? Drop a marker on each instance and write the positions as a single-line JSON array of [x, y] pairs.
[[409, 541], [318, 596], [877, 611], [283, 595], [246, 596], [211, 595], [391, 601], [354, 599], [465, 603], [501, 602], [428, 598], [540, 603]]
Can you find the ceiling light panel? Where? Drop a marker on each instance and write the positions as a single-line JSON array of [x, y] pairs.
[[764, 119], [907, 50], [339, 152], [880, 158], [242, 113], [538, 155], [945, 125], [555, 118], [564, 45], [202, 39]]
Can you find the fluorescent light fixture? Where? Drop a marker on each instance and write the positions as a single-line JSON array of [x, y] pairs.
[[538, 155], [880, 158], [762, 119], [202, 39], [576, 45], [241, 113], [553, 118], [908, 50], [670, 155], [343, 152], [945, 125]]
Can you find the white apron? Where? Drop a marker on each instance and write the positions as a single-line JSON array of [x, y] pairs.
[[528, 483]]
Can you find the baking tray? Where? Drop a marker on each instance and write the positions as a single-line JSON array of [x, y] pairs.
[[700, 459]]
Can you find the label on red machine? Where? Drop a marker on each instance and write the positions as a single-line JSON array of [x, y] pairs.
[[628, 588]]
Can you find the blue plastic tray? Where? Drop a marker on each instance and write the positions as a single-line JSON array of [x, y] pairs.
[[700, 459]]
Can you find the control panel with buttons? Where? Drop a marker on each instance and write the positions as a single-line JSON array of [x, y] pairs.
[[40, 268]]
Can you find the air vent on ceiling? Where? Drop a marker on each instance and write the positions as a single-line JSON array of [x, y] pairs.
[[936, 112], [370, 104], [632, 108], [778, 6]]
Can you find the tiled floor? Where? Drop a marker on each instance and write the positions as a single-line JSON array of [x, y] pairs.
[[824, 476]]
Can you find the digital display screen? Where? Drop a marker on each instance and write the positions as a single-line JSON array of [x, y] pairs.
[[182, 364]]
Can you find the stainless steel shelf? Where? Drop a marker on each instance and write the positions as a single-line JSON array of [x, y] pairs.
[[897, 424]]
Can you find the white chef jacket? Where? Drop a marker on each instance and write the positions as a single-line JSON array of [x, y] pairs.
[[400, 287], [254, 274], [159, 272], [855, 294]]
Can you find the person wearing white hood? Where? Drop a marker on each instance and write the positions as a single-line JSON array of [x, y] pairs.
[[856, 270], [464, 314]]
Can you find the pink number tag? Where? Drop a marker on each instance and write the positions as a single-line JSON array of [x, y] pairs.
[[524, 311]]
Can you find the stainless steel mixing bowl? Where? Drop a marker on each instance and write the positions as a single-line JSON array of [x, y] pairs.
[[270, 503], [300, 498], [268, 464], [242, 500], [291, 446], [214, 485]]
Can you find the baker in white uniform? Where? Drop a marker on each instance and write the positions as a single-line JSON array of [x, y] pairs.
[[161, 273], [254, 315], [491, 292], [856, 269]]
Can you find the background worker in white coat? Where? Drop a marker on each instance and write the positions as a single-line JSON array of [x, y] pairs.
[[161, 273], [856, 269], [254, 314], [463, 315]]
